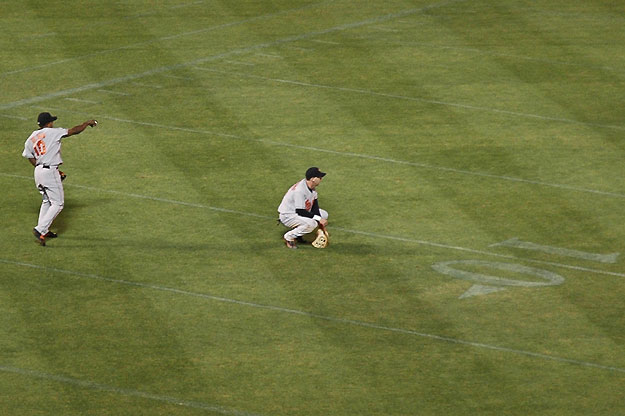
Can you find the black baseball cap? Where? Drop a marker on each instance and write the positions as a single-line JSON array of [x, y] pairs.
[[314, 172], [45, 118]]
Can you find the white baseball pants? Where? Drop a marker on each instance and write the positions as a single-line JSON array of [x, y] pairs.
[[300, 225], [48, 181]]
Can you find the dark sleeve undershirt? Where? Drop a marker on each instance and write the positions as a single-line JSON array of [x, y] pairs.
[[309, 214], [315, 208]]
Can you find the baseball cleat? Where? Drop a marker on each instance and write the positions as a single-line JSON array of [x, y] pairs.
[[50, 234], [290, 244], [40, 238]]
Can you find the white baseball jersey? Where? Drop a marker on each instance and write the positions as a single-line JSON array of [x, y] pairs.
[[44, 145], [299, 196]]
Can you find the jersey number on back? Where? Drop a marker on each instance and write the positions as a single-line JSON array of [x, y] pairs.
[[40, 147]]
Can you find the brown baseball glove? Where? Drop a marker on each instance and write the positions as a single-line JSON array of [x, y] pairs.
[[323, 238]]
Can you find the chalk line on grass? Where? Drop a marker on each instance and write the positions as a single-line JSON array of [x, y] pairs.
[[361, 156], [90, 385], [417, 99], [232, 52], [346, 230], [338, 320], [165, 38]]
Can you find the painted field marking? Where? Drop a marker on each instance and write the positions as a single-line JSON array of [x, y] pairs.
[[169, 37], [80, 100], [480, 290], [144, 85], [350, 154], [327, 42], [350, 322], [15, 117], [418, 99], [548, 278], [306, 36], [488, 284], [240, 63], [233, 52], [299, 48], [346, 230], [113, 92], [90, 385], [386, 29], [180, 6], [177, 77], [475, 251], [315, 5], [269, 55], [516, 243]]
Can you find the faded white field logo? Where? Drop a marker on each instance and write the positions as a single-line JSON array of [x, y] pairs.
[[486, 283]]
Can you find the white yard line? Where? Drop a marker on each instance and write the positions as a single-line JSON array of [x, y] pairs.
[[346, 230], [144, 85], [165, 38], [80, 100], [271, 15], [177, 77], [269, 55], [365, 156], [416, 99], [327, 42], [240, 63], [90, 385], [337, 320], [233, 52], [114, 92], [161, 70], [15, 117]]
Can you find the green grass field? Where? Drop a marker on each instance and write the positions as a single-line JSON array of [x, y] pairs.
[[474, 151]]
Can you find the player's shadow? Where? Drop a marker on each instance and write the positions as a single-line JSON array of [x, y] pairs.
[[136, 245], [339, 244], [352, 248], [71, 210]]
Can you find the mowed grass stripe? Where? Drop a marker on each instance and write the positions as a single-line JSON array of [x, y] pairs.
[[232, 52], [168, 37], [346, 230], [124, 392], [348, 154], [311, 315], [415, 99], [499, 366]]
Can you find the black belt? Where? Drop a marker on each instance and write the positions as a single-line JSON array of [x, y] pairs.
[[47, 166]]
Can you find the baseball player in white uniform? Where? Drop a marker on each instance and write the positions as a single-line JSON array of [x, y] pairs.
[[43, 150], [299, 209]]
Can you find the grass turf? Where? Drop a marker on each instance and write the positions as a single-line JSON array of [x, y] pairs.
[[445, 128]]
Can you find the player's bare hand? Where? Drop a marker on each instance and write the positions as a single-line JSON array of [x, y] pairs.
[[323, 222], [92, 123]]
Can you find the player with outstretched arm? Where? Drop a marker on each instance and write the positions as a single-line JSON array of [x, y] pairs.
[[43, 150]]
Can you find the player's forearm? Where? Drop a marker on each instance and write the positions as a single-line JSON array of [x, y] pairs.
[[81, 127], [32, 161]]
